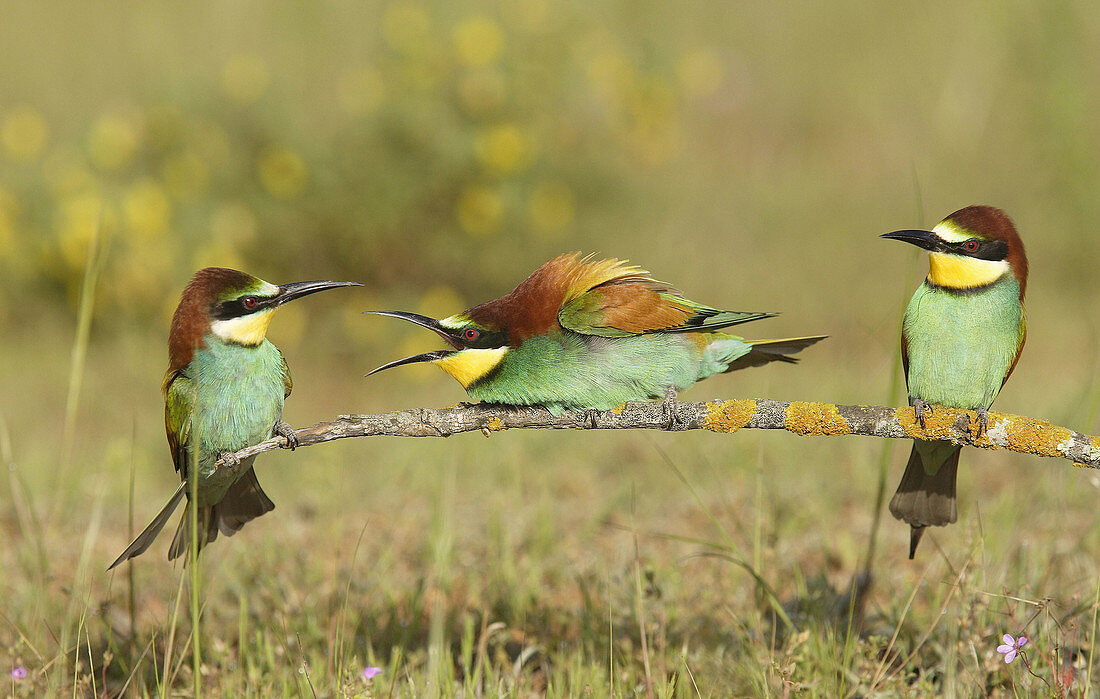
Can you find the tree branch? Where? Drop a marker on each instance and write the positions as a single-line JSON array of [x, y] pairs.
[[1013, 432]]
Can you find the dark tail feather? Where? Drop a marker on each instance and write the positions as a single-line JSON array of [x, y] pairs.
[[146, 538], [766, 351], [244, 501], [915, 533], [208, 531], [924, 499]]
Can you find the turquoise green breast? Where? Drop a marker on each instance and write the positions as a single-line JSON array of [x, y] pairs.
[[240, 395], [566, 370], [962, 345]]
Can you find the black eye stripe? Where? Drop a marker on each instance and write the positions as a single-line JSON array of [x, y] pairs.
[[992, 250], [224, 310], [482, 339]]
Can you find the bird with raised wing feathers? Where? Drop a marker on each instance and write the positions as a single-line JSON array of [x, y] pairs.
[[962, 334], [591, 334], [224, 390]]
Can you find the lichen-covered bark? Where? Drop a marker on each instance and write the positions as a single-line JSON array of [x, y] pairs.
[[1013, 432]]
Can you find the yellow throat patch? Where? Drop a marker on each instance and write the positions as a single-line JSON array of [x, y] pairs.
[[959, 272], [469, 365], [248, 330]]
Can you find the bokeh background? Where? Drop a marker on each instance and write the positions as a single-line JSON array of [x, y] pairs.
[[750, 153]]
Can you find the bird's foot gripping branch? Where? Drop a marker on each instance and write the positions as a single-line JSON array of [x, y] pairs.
[[1017, 433]]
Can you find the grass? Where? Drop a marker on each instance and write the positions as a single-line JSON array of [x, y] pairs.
[[608, 564], [621, 578], [528, 564]]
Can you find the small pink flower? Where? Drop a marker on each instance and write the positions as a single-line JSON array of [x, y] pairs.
[[1011, 647], [370, 672], [19, 673]]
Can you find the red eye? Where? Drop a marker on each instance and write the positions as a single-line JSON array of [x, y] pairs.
[[249, 302], [971, 246], [470, 334]]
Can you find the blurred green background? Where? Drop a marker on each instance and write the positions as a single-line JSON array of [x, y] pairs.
[[750, 153]]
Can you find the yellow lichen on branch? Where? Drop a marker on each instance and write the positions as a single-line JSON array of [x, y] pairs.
[[729, 416], [939, 423], [820, 419], [1014, 432], [1035, 436]]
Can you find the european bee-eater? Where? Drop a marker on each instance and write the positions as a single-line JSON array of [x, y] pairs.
[[962, 334], [584, 334], [223, 391]]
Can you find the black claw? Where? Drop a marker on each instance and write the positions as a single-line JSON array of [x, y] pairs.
[[287, 432], [672, 413], [919, 408], [983, 422], [592, 414]]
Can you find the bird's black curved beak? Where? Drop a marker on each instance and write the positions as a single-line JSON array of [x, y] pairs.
[[296, 290], [922, 239], [425, 357], [424, 322]]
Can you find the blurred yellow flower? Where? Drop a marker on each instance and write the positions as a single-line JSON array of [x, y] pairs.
[[439, 301], [609, 72], [504, 148], [701, 72], [551, 207], [655, 133], [113, 141], [481, 92], [185, 175], [80, 219], [406, 27], [653, 103], [245, 78], [234, 222], [283, 173], [147, 209], [24, 133], [479, 210], [361, 91], [478, 41]]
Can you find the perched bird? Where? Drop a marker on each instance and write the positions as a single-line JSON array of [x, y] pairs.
[[584, 334], [223, 391], [962, 334]]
